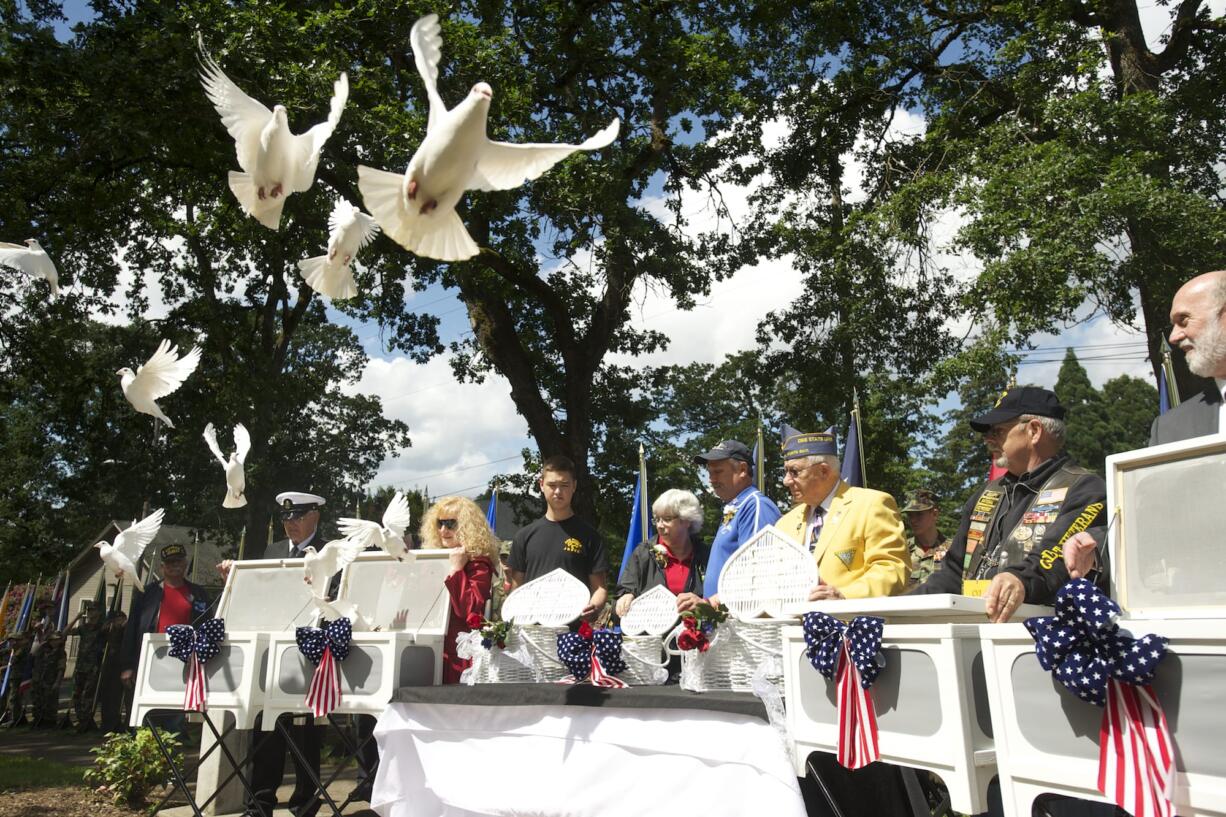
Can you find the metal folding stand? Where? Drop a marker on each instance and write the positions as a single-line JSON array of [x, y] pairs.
[[180, 777], [353, 751]]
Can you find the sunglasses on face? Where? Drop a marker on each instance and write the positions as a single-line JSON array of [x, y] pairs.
[[449, 524]]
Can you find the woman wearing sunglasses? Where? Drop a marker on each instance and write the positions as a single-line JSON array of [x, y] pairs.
[[458, 524]]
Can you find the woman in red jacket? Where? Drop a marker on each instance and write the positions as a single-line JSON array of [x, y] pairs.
[[457, 523]]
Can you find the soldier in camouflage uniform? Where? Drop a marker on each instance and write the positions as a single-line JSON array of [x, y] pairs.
[[19, 667], [501, 583], [926, 544], [49, 663], [89, 660]]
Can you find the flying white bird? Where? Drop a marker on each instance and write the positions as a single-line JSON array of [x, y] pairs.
[[349, 230], [31, 259], [161, 375], [319, 567], [389, 535], [343, 608], [417, 209], [275, 161], [236, 481], [130, 544]]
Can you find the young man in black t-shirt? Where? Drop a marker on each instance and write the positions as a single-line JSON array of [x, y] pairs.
[[560, 539]]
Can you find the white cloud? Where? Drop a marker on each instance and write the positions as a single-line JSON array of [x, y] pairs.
[[457, 430]]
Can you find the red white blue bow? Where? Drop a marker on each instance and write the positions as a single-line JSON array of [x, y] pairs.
[[193, 646], [324, 647], [1082, 646], [593, 656], [849, 653]]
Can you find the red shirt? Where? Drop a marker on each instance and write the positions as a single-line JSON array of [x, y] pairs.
[[176, 607], [676, 571]]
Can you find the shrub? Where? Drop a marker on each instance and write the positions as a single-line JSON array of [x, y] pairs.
[[128, 767]]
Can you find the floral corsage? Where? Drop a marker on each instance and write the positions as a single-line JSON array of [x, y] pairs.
[[698, 625], [492, 632], [660, 554]]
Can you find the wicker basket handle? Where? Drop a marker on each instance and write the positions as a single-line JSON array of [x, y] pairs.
[[547, 654]]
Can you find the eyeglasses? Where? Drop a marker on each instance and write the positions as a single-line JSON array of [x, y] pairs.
[[660, 520], [795, 471], [449, 524]]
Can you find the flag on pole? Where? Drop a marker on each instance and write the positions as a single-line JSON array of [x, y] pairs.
[[759, 460], [4, 609], [640, 526], [491, 510], [61, 608], [852, 471], [27, 606], [1168, 389]]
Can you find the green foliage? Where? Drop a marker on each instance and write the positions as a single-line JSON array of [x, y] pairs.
[[1101, 423], [129, 766], [21, 772]]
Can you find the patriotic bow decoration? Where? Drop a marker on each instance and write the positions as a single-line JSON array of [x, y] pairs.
[[324, 647], [193, 646], [848, 653], [593, 655], [1083, 648]]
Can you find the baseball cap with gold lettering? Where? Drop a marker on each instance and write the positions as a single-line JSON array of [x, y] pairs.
[[1019, 400]]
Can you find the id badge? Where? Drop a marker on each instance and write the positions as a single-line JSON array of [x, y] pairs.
[[975, 588]]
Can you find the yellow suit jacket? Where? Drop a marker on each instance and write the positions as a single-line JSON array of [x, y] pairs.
[[862, 549]]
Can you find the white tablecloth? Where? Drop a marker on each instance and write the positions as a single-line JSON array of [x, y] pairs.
[[453, 760]]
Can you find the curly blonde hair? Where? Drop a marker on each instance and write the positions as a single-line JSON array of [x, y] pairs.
[[473, 532]]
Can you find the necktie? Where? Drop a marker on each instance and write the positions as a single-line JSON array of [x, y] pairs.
[[819, 514]]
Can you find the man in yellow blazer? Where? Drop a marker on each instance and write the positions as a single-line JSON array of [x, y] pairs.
[[856, 534]]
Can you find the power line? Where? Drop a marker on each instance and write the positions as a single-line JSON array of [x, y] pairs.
[[458, 470]]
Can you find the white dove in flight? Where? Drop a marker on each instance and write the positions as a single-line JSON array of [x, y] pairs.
[[130, 544], [389, 535], [161, 375], [417, 209], [275, 161], [319, 567], [343, 608], [33, 260], [236, 481], [349, 230]]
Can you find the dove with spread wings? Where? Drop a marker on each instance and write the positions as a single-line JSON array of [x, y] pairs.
[[275, 161], [125, 554], [320, 566], [417, 209], [236, 480], [389, 535], [161, 375], [349, 230], [31, 259]]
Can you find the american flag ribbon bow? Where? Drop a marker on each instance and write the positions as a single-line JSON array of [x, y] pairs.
[[594, 656], [194, 646], [325, 647], [1082, 646], [849, 652]]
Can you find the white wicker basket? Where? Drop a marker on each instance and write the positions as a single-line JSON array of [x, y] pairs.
[[536, 645], [646, 661], [765, 575], [740, 652]]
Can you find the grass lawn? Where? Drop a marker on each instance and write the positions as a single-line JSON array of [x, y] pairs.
[[32, 773]]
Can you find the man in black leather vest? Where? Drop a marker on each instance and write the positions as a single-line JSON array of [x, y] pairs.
[[1007, 548]]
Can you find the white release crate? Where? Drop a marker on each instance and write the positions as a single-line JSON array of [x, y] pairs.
[[1166, 538], [1047, 737], [408, 604], [931, 697], [260, 597]]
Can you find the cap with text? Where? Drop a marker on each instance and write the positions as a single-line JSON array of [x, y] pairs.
[[1017, 401], [798, 444], [726, 450]]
